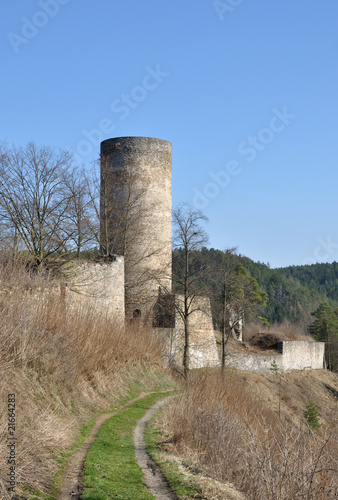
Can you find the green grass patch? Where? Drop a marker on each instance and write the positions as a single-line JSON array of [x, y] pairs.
[[63, 458], [84, 431], [34, 494], [111, 470], [138, 379]]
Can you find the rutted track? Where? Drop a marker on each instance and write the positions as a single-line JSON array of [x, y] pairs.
[[154, 478], [72, 478]]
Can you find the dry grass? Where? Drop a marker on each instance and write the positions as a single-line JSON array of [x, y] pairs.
[[254, 331], [284, 331], [229, 428], [63, 366]]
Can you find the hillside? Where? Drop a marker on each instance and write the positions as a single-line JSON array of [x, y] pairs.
[[249, 430], [296, 291], [320, 277], [293, 292], [63, 370], [60, 367]]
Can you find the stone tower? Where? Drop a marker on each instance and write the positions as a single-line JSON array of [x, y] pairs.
[[136, 217]]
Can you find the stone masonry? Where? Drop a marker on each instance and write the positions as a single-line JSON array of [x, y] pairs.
[[138, 178], [302, 355], [203, 348], [136, 223], [99, 284], [292, 355]]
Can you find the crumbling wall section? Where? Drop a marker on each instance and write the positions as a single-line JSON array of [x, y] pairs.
[[293, 355], [97, 284], [263, 363], [202, 342], [203, 347], [300, 355]]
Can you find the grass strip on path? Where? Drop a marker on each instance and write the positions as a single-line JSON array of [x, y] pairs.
[[111, 470], [184, 487], [186, 480]]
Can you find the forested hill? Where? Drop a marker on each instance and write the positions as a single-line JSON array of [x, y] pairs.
[[294, 292], [320, 277]]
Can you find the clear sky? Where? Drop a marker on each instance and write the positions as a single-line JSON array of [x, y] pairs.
[[246, 91]]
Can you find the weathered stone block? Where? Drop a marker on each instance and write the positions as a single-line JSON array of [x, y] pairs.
[[202, 342], [99, 285], [293, 355]]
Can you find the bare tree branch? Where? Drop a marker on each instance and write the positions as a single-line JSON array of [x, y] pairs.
[[189, 236]]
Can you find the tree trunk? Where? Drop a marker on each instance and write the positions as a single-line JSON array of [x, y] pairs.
[[224, 326]]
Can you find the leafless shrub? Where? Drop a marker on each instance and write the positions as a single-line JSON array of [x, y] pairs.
[[220, 425]]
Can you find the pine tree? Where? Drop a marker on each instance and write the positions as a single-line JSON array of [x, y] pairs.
[[325, 329], [311, 415]]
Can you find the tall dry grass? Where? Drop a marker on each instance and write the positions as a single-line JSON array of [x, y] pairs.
[[63, 364], [286, 330], [233, 436]]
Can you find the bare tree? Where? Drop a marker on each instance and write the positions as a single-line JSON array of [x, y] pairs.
[[122, 208], [247, 298], [189, 236], [117, 206], [33, 200], [80, 215], [229, 264]]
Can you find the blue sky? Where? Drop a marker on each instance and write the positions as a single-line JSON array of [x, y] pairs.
[[246, 91]]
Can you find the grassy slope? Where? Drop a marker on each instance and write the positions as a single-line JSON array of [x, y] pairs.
[[64, 369], [185, 478], [111, 470], [229, 430]]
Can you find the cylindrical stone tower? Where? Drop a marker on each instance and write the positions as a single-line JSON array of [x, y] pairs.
[[136, 216]]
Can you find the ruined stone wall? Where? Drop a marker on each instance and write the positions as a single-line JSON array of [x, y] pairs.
[[97, 284], [302, 354], [260, 363], [203, 348], [139, 174], [294, 355]]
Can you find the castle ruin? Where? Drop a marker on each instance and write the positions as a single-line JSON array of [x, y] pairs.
[[134, 281], [136, 213]]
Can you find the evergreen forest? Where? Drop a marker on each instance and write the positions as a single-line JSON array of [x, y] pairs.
[[293, 292]]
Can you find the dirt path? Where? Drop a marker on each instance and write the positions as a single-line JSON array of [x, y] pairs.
[[72, 478], [154, 478]]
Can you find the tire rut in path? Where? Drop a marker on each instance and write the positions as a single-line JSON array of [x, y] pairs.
[[71, 484], [156, 483]]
